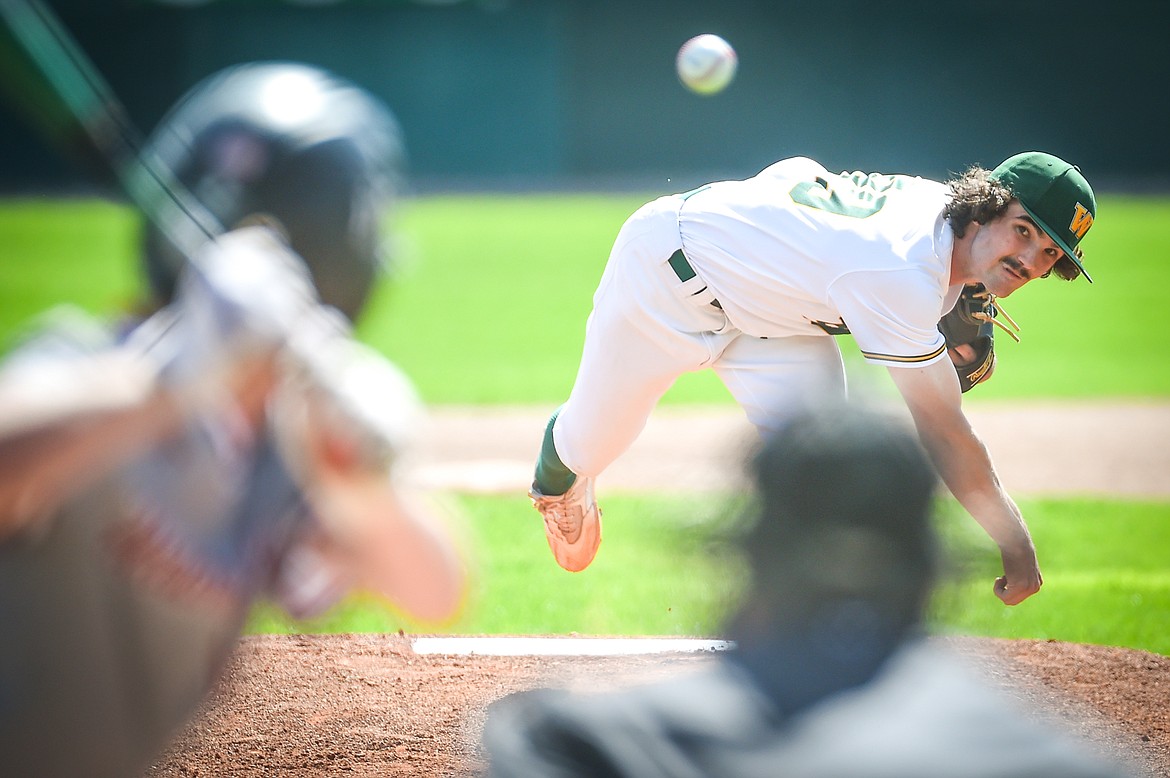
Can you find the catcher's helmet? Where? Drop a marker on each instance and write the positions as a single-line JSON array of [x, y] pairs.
[[290, 143]]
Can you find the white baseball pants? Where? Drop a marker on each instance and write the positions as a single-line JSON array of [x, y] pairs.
[[647, 328]]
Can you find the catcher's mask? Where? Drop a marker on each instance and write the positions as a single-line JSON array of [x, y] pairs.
[[290, 144]]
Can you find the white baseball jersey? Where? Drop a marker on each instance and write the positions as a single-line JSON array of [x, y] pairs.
[[796, 249]]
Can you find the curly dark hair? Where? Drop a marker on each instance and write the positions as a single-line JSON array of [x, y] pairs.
[[977, 197]]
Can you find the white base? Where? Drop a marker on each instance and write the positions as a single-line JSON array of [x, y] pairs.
[[551, 646]]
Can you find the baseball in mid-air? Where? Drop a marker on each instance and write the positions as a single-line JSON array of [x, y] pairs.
[[706, 64]]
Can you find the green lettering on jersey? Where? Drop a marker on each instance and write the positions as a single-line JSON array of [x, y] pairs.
[[857, 195]]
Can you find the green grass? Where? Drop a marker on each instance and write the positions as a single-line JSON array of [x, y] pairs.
[[492, 291], [53, 252], [1104, 563], [1106, 580], [491, 299], [488, 307], [649, 579]]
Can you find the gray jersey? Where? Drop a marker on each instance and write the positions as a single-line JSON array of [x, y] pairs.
[[119, 612], [925, 715]]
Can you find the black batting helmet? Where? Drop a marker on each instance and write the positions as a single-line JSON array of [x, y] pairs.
[[291, 143]]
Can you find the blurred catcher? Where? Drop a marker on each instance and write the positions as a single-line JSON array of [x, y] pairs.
[[830, 674], [237, 443]]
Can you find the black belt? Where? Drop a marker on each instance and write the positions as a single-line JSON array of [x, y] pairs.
[[684, 271]]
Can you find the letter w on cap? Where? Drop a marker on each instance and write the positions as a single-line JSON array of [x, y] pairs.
[[1081, 222]]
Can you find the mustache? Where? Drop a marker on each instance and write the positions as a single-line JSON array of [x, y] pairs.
[[1017, 267]]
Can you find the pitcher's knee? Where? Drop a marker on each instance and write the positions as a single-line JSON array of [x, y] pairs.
[[585, 455]]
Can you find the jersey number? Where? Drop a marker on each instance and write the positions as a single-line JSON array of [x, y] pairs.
[[856, 196]]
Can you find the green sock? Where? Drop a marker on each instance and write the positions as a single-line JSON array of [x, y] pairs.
[[552, 477]]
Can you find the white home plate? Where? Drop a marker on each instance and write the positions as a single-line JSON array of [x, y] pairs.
[[548, 646]]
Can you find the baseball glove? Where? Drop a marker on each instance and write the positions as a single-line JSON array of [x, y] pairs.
[[972, 323]]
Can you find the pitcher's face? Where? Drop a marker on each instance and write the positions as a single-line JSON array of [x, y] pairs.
[[1010, 251]]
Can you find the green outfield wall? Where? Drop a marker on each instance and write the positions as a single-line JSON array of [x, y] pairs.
[[497, 93]]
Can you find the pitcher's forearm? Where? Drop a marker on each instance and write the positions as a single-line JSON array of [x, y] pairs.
[[965, 466]]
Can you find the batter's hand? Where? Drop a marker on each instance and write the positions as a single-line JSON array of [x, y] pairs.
[[343, 417], [348, 406], [1021, 578], [242, 299]]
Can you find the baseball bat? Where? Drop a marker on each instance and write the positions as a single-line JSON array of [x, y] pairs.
[[62, 93]]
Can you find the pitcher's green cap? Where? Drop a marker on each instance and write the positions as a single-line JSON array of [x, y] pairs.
[[1055, 194]]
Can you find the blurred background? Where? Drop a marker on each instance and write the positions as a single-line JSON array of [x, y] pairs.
[[533, 128], [529, 94]]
